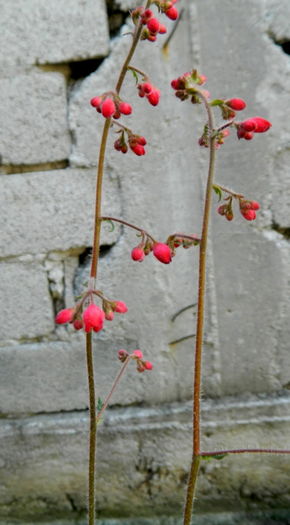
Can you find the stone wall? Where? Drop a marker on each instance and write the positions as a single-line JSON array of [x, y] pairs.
[[55, 56]]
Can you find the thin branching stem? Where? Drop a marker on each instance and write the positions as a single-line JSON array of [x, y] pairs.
[[200, 322], [93, 276]]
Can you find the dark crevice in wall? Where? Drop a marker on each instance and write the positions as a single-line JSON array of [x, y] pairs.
[[283, 43], [285, 231], [83, 68], [116, 17]]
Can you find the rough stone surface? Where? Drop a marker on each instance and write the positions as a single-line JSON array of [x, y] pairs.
[[52, 211], [45, 256], [33, 118], [51, 31], [51, 477], [29, 313]]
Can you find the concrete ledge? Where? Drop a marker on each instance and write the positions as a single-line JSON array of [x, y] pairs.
[[143, 461]]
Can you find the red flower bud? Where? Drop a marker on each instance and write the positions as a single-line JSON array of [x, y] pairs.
[[236, 103], [78, 324], [93, 318], [153, 25], [137, 354], [154, 97], [137, 254], [249, 215], [120, 307], [248, 125], [162, 252], [122, 355], [162, 29], [108, 108], [125, 108], [255, 205], [64, 316], [137, 149], [96, 102], [262, 124], [148, 365], [109, 315], [172, 13]]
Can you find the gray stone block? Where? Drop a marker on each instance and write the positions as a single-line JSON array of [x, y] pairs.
[[49, 31], [149, 451], [33, 118], [53, 211], [276, 17], [28, 312]]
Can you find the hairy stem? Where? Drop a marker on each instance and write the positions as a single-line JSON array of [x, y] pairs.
[[113, 219], [93, 276], [114, 386], [93, 428], [200, 322], [246, 451]]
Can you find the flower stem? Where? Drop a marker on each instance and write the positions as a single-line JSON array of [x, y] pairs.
[[115, 384], [113, 219], [93, 276], [93, 428], [245, 451], [200, 322]]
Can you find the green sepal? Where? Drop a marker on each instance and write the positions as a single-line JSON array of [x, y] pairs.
[[216, 102], [216, 456], [135, 75], [99, 404], [218, 191]]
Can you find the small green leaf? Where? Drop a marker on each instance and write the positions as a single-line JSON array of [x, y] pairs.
[[216, 102], [99, 404], [135, 75], [216, 456], [218, 191]]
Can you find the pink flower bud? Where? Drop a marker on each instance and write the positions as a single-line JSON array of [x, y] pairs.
[[238, 104], [162, 29], [154, 97], [152, 38], [96, 102], [255, 205], [262, 124], [122, 355], [146, 87], [78, 324], [248, 125], [120, 307], [249, 215], [172, 13], [137, 354], [142, 141], [137, 254], [93, 318], [148, 365], [162, 252], [146, 16], [64, 316], [137, 149], [125, 108], [248, 135], [109, 315], [108, 108], [153, 25]]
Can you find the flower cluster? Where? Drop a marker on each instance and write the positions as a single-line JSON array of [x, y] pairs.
[[247, 128], [150, 92], [248, 209], [153, 25], [91, 317], [110, 105], [185, 86], [230, 106], [136, 143], [137, 355], [162, 251]]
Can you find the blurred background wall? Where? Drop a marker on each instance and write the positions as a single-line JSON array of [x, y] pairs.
[[54, 56]]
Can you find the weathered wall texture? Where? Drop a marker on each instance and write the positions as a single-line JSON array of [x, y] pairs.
[[56, 55]]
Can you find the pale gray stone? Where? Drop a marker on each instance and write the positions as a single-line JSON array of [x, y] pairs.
[[26, 307], [276, 16], [49, 31], [33, 118], [150, 450], [53, 211]]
